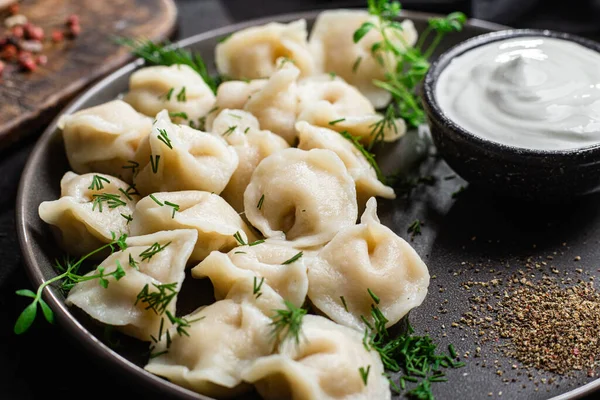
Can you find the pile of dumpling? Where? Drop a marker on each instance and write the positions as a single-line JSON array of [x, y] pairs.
[[268, 191]]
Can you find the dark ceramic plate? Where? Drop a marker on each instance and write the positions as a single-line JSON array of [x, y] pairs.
[[471, 228]]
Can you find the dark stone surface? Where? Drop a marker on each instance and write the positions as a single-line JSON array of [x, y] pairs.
[[47, 363]]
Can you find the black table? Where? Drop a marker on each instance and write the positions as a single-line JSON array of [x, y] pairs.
[[45, 362]]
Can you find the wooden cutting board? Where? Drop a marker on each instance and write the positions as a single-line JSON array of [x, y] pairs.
[[28, 101]]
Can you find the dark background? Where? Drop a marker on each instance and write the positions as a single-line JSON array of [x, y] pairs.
[[45, 362]]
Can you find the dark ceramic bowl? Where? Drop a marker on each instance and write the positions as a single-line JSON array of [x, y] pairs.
[[538, 175]]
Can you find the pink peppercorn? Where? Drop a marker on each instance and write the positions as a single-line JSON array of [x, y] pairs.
[[18, 31], [42, 60], [57, 36]]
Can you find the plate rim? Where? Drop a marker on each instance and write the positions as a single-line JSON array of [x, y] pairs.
[[67, 321]]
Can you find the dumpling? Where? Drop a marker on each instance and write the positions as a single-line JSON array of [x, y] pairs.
[[104, 138], [368, 256], [233, 95], [301, 196], [177, 157], [327, 364], [214, 220], [151, 264], [251, 144], [176, 88], [223, 339], [276, 104], [363, 173], [281, 267], [331, 43], [334, 104], [91, 209], [252, 53]]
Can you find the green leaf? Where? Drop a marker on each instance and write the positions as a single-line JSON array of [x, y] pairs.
[[119, 272], [103, 282], [26, 318], [48, 313], [362, 31], [26, 293]]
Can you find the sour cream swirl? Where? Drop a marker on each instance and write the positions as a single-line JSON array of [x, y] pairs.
[[529, 92]]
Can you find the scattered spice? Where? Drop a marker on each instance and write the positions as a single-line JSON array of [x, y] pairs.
[[550, 323], [23, 39]]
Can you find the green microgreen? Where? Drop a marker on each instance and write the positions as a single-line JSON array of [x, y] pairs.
[[68, 271]]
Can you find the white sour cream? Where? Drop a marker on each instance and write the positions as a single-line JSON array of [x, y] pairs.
[[530, 92]]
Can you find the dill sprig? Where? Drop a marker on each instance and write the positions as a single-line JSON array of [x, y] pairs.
[[257, 286], [368, 156], [415, 228], [260, 202], [112, 200], [97, 182], [156, 54], [287, 323], [154, 163], [238, 237], [293, 259], [68, 271], [157, 300], [415, 356], [403, 76], [164, 137], [153, 250], [364, 373], [182, 96], [180, 114]]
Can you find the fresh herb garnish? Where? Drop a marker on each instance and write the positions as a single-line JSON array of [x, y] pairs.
[[156, 54], [336, 121], [174, 206], [128, 217], [156, 200], [356, 64], [179, 114], [410, 64], [344, 303], [164, 137], [181, 96], [373, 296], [415, 228], [369, 156], [230, 130], [68, 271], [112, 200], [154, 163], [152, 251], [247, 129], [169, 94], [364, 373], [287, 323], [238, 237], [257, 285], [415, 356], [97, 182], [157, 300], [458, 192], [293, 259], [260, 202]]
